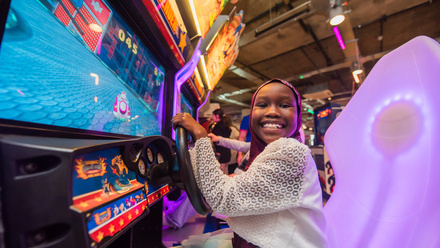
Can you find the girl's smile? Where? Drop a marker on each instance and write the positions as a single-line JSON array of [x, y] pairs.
[[274, 114]]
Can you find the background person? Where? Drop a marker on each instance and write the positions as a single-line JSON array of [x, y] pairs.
[[221, 128], [232, 164], [245, 135]]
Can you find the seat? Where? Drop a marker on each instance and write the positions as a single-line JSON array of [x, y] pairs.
[[384, 148]]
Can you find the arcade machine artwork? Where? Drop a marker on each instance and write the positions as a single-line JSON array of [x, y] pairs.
[[98, 180]]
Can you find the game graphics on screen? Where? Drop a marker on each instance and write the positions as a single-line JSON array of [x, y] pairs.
[[121, 95]]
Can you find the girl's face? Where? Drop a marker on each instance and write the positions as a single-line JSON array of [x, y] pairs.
[[274, 114]]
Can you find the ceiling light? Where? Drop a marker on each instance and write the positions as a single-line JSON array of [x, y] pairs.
[[358, 71], [356, 75], [339, 37], [357, 68], [336, 16]]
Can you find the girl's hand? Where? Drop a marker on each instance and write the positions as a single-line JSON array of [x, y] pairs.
[[213, 137], [192, 126]]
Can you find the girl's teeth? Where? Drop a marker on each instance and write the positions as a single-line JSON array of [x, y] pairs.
[[272, 126]]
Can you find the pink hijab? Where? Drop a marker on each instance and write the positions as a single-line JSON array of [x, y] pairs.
[[257, 144]]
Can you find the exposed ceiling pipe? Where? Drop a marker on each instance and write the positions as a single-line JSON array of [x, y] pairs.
[[308, 29], [285, 19], [291, 14], [265, 13]]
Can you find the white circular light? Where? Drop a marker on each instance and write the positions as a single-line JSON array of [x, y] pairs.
[[337, 20]]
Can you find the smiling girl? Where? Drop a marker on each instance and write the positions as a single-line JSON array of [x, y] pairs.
[[277, 202]]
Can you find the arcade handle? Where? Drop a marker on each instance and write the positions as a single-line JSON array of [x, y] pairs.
[[187, 173]]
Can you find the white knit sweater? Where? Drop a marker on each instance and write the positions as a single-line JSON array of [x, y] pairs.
[[276, 203]]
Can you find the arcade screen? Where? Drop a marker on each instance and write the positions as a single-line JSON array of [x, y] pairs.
[[324, 117], [77, 64]]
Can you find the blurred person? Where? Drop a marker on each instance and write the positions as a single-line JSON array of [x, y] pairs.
[[221, 128], [244, 135], [234, 136], [205, 122]]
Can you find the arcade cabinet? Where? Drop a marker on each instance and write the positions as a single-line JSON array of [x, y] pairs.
[[86, 101], [323, 118]]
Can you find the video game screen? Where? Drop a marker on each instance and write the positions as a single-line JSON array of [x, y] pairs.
[[77, 64], [324, 117]]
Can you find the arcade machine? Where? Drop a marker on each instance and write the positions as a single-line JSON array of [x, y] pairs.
[[85, 141], [324, 117], [86, 98]]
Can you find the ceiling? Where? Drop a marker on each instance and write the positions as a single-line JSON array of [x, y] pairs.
[[293, 40]]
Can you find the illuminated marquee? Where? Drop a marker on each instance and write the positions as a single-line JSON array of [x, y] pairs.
[[169, 21], [169, 14]]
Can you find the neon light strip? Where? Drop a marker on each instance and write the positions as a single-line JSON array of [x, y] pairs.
[[206, 72], [99, 44], [194, 13], [198, 109], [339, 37], [183, 74]]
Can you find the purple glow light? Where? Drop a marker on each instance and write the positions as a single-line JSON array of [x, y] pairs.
[[206, 99], [339, 37], [99, 44], [182, 75], [384, 151], [161, 108]]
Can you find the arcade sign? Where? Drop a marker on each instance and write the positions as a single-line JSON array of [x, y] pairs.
[[223, 50], [205, 12], [167, 17]]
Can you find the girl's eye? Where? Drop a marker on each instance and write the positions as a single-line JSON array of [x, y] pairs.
[[261, 105], [285, 105]]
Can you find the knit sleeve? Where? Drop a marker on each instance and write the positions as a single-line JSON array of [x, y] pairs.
[[273, 182], [237, 145]]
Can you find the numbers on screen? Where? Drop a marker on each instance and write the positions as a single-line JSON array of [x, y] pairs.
[[131, 45]]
